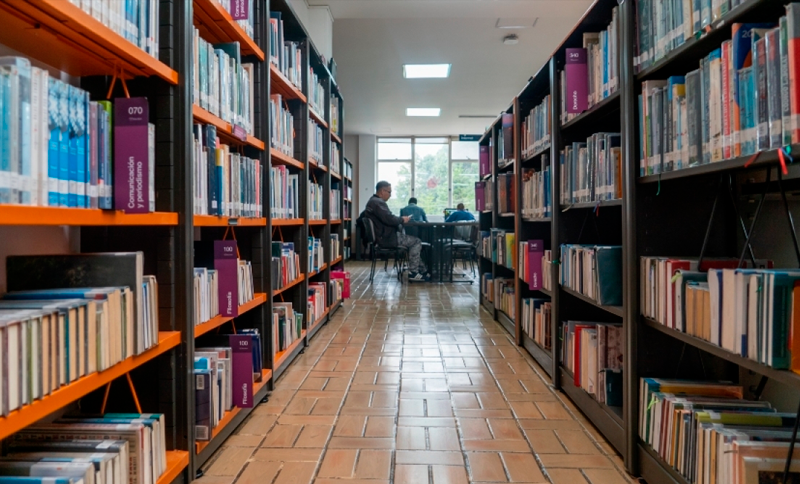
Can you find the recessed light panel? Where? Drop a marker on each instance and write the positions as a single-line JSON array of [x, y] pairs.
[[426, 71], [430, 112]]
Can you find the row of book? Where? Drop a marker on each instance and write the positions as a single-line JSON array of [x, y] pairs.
[[317, 302], [346, 252], [594, 271], [484, 195], [281, 128], [238, 9], [484, 161], [347, 170], [709, 433], [114, 448], [285, 264], [504, 296], [531, 262], [347, 210], [335, 246], [316, 95], [206, 294], [336, 203], [58, 145], [498, 245], [284, 193], [287, 325], [316, 254], [339, 280], [335, 154], [335, 117], [536, 129], [547, 270], [219, 261], [487, 286], [739, 101], [316, 143], [505, 141], [224, 183], [316, 200], [137, 21], [592, 171], [222, 84], [348, 191], [591, 73], [69, 316], [229, 362], [506, 193], [537, 201], [286, 56], [536, 320], [593, 353]]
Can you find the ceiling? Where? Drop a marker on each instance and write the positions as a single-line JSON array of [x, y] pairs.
[[372, 39]]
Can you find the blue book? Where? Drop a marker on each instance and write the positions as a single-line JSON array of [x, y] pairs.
[[608, 260], [63, 145], [82, 136], [105, 180], [20, 71], [213, 195], [53, 172], [5, 138], [72, 155], [33, 480]]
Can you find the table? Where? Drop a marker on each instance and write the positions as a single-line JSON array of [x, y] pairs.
[[440, 236]]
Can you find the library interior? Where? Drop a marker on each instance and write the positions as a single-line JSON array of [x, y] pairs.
[[428, 314]]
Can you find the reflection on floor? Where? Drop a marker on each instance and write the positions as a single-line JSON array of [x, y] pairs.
[[414, 384]]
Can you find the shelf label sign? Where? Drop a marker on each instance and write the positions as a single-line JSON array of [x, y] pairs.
[[239, 132], [469, 137], [240, 9]]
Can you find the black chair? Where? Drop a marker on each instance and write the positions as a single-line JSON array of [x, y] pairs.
[[464, 247], [398, 254]]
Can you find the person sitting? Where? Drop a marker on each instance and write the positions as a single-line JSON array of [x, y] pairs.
[[416, 212], [460, 215], [386, 231]]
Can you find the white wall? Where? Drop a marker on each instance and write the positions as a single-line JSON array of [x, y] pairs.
[[367, 169], [318, 21]]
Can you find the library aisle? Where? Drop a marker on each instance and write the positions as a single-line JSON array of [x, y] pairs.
[[414, 384]]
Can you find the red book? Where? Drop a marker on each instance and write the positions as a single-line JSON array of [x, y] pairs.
[[793, 29], [727, 68]]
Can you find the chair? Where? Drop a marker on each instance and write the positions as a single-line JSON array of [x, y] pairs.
[[398, 254], [464, 247]]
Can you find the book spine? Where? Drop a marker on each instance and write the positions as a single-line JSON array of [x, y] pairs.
[[774, 89], [793, 43], [131, 155], [786, 108], [576, 81], [242, 370]]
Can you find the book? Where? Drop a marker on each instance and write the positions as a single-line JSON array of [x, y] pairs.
[[132, 155], [576, 77]]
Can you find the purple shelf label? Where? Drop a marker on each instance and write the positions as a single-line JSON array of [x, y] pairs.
[[240, 9], [239, 132]]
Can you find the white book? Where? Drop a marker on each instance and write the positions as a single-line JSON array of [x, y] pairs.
[[38, 77]]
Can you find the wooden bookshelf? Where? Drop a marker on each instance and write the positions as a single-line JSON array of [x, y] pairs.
[[217, 26], [336, 221], [316, 166], [281, 85], [336, 260], [336, 138], [318, 222], [292, 284], [287, 222], [319, 320], [336, 175], [27, 215], [39, 409], [219, 320], [279, 158], [59, 33], [281, 356], [177, 461], [216, 221], [321, 269], [317, 118], [224, 128]]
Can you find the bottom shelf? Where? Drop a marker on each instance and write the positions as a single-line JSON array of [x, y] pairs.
[[507, 323], [487, 305], [312, 330], [283, 358], [654, 470], [177, 460], [542, 356], [608, 420]]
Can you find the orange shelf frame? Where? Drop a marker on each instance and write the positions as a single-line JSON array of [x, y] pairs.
[[281, 85], [320, 318], [321, 268], [266, 376], [336, 175], [336, 221], [279, 158], [61, 34], [177, 460], [313, 164], [318, 222], [39, 409], [336, 137], [336, 260], [215, 221], [216, 25], [289, 286], [26, 215], [281, 356], [217, 321], [286, 222], [347, 219], [317, 117], [224, 128]]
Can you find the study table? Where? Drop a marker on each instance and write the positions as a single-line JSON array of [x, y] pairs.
[[443, 238]]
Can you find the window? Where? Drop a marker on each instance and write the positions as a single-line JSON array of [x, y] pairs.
[[431, 176], [398, 173]]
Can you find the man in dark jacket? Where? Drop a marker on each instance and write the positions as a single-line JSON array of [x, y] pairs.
[[386, 230]]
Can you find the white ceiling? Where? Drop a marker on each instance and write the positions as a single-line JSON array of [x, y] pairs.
[[372, 39]]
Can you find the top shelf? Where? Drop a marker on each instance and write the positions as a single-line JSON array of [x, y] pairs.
[[216, 25], [81, 217], [281, 85], [60, 34]]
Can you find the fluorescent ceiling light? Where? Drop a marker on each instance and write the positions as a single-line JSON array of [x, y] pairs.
[[423, 111], [424, 71]]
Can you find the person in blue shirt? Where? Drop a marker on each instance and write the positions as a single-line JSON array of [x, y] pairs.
[[460, 215], [417, 213]]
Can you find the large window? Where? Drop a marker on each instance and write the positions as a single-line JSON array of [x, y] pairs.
[[439, 172]]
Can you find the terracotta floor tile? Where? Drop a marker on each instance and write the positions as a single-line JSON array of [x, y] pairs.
[[505, 429], [282, 436], [288, 455], [426, 422], [545, 442], [428, 457], [497, 445], [553, 411], [577, 442], [258, 472], [410, 474], [522, 468], [566, 476], [296, 473], [244, 440], [438, 408], [465, 401], [350, 426], [474, 429], [206, 479], [549, 424], [491, 401], [314, 436], [374, 464], [449, 475], [575, 461], [257, 424], [361, 443], [486, 466], [412, 438], [525, 410], [380, 427], [306, 419], [470, 413], [229, 461], [606, 476], [339, 463]]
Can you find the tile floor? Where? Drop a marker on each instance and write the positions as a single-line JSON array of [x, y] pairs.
[[414, 384]]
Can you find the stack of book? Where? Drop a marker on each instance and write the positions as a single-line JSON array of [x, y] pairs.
[[537, 202], [334, 116], [316, 96], [245, 280], [487, 286], [336, 290], [531, 262], [281, 134], [503, 246], [316, 254], [206, 294], [506, 193], [593, 353], [115, 448], [486, 244], [348, 170], [316, 146], [592, 72], [284, 196], [287, 325], [706, 428], [316, 198], [317, 300], [536, 320], [536, 129], [739, 101], [285, 264], [336, 201], [233, 276], [335, 246], [547, 270], [505, 143], [504, 296], [335, 153], [484, 196], [68, 316], [347, 210], [221, 84], [592, 171], [285, 55], [137, 21], [485, 160], [594, 271], [348, 192], [225, 183]]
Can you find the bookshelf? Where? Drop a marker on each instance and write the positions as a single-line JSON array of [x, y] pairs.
[[64, 36]]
